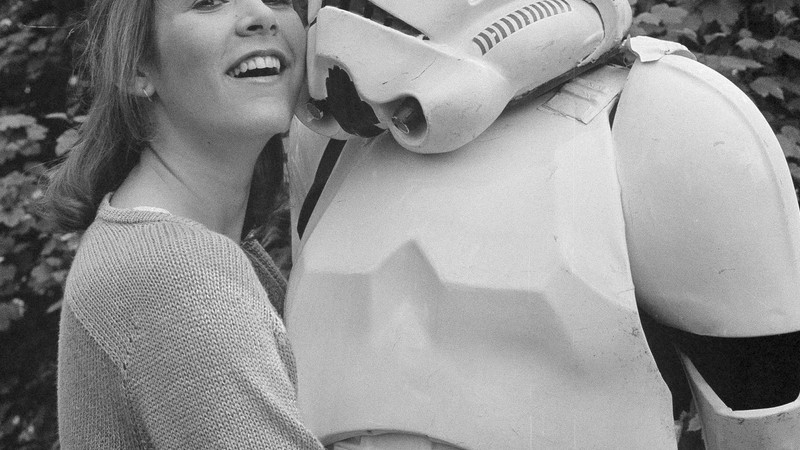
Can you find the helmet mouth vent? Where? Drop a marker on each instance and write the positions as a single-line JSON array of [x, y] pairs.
[[376, 14]]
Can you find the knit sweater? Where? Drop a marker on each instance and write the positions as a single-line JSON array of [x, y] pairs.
[[168, 340]]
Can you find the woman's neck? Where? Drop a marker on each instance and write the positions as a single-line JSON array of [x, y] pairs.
[[209, 186]]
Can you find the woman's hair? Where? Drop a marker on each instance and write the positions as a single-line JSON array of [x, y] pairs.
[[267, 193], [118, 37]]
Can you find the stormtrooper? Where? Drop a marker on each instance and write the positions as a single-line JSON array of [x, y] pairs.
[[512, 217]]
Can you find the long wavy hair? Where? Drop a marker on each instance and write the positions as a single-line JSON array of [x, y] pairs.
[[119, 36]]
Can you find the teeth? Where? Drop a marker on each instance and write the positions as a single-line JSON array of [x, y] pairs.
[[257, 62]]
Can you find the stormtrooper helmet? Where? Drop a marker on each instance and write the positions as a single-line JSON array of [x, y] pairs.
[[436, 74]]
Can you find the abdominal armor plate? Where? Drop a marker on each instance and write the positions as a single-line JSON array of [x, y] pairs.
[[481, 297]]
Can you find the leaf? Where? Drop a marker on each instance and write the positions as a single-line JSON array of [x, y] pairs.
[[747, 44], [674, 35], [709, 38], [38, 46], [12, 217], [795, 171], [784, 18], [16, 121], [72, 241], [40, 278], [60, 276], [7, 151], [727, 64], [8, 314], [66, 141], [792, 86], [54, 307], [647, 18], [30, 149], [19, 304], [789, 138], [724, 12], [645, 29], [766, 86], [49, 247], [767, 52], [791, 132], [53, 261], [36, 132], [57, 115], [789, 46], [693, 21], [7, 273], [773, 6], [6, 244], [669, 14]]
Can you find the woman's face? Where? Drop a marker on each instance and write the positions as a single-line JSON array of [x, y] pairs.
[[227, 67]]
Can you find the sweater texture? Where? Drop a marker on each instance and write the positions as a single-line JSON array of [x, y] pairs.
[[168, 340]]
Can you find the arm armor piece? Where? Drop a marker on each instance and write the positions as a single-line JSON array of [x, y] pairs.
[[712, 221]]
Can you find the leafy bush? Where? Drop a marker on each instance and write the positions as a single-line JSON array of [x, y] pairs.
[[38, 98], [755, 44]]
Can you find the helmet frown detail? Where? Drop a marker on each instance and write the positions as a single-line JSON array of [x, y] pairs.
[[517, 20], [353, 114]]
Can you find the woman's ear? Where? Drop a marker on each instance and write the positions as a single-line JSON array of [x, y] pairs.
[[141, 86]]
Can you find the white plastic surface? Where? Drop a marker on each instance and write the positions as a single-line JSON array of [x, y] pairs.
[[481, 297], [775, 428], [713, 226], [475, 59], [391, 441], [616, 16], [304, 149]]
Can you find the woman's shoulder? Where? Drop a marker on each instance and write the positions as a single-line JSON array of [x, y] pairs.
[[141, 258], [143, 273], [153, 241]]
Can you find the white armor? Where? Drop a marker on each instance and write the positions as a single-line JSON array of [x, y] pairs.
[[477, 291]]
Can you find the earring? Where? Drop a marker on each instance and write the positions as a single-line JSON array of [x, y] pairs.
[[147, 95]]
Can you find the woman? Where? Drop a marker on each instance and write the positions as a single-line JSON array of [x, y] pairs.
[[168, 338]]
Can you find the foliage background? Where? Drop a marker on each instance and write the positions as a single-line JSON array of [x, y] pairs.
[[756, 44]]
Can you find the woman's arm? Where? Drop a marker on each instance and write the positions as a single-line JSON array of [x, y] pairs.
[[210, 366]]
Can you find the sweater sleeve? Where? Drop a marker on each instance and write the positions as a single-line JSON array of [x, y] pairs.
[[209, 365]]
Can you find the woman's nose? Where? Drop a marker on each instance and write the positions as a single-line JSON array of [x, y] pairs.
[[257, 18]]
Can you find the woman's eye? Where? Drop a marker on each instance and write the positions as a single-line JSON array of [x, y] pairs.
[[277, 2], [208, 4]]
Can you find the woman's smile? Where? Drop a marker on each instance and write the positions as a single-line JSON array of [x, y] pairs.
[[257, 66], [241, 60]]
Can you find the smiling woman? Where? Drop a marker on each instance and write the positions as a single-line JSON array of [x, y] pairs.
[[170, 333]]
